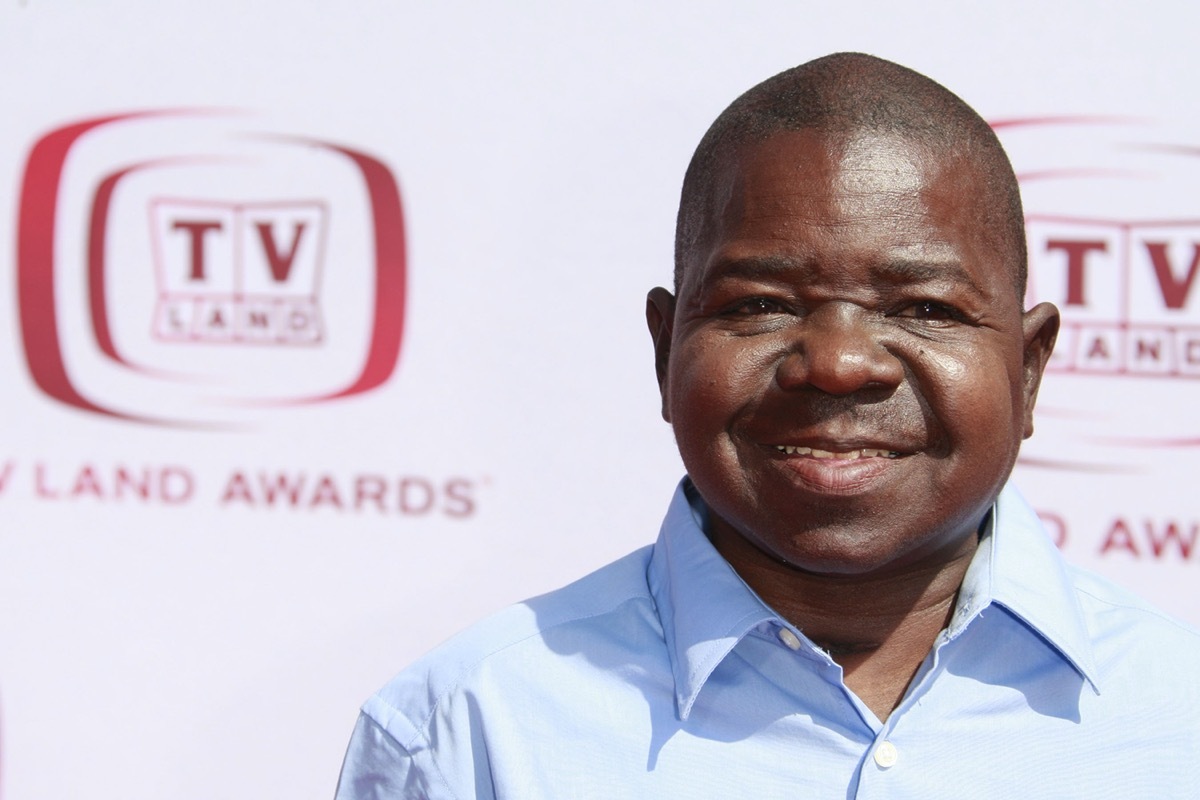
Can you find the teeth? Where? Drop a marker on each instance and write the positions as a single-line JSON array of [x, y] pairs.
[[849, 455]]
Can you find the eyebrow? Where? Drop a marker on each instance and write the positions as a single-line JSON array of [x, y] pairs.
[[895, 271], [926, 271]]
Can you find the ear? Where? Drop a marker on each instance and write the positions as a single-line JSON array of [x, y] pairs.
[[1040, 328], [660, 318]]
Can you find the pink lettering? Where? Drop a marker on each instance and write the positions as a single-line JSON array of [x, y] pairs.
[[1192, 351], [279, 262], [459, 502], [369, 487], [424, 496], [1120, 538], [1076, 253], [175, 485], [39, 475], [1171, 533], [127, 482], [87, 483], [326, 493], [1147, 349], [6, 474], [237, 489], [195, 230], [1174, 291], [282, 487]]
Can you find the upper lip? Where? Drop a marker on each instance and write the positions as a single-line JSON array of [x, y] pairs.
[[899, 430]]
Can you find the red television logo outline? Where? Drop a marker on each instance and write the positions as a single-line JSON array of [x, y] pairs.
[[38, 223]]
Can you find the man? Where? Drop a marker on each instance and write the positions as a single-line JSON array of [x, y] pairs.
[[845, 600]]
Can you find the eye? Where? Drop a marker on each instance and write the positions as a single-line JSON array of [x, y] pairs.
[[930, 310], [757, 305]]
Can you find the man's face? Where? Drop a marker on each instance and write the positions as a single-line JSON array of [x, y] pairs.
[[847, 367]]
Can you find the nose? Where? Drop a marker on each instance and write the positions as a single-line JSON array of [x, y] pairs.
[[839, 351]]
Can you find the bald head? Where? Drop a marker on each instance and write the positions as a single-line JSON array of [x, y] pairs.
[[850, 93]]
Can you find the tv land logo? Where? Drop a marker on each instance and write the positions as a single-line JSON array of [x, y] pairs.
[[1113, 242], [1125, 290], [238, 273], [184, 268]]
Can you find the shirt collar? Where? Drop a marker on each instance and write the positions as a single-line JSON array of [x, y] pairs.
[[706, 608], [1019, 568], [704, 605]]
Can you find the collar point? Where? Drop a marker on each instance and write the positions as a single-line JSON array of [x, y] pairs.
[[683, 706]]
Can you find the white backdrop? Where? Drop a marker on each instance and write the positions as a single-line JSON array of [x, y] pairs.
[[207, 562]]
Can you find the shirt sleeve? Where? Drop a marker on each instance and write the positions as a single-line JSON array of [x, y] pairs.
[[377, 767]]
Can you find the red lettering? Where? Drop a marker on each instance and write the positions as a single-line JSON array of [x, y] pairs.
[[1174, 292], [1120, 538], [196, 230], [459, 502], [369, 487], [6, 474], [238, 488], [425, 496], [1170, 533], [86, 482], [126, 481], [1099, 349], [281, 487], [299, 320], [39, 473], [1076, 260], [175, 485], [168, 484], [326, 493], [410, 496], [1192, 351], [1148, 349], [216, 319], [280, 263]]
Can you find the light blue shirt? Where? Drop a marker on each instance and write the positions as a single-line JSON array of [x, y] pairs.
[[664, 676]]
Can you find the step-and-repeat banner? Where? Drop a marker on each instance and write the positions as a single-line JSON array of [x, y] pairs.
[[324, 334]]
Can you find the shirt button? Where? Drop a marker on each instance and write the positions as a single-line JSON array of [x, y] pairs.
[[886, 755], [789, 638]]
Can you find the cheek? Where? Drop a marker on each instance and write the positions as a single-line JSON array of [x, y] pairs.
[[715, 378], [951, 367], [975, 394]]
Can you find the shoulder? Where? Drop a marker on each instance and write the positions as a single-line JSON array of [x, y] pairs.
[[1117, 617], [1144, 658], [1044, 588], [526, 643]]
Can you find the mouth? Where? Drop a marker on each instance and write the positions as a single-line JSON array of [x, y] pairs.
[[835, 455], [845, 471]]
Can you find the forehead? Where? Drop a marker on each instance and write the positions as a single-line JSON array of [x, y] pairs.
[[817, 195]]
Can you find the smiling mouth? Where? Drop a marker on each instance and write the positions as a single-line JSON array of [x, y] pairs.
[[847, 455]]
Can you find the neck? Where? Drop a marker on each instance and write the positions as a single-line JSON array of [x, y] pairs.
[[878, 626]]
